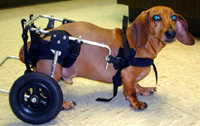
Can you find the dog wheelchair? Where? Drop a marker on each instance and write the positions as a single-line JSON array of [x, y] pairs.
[[36, 98]]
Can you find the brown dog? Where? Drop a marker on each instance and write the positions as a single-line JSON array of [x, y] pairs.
[[148, 34]]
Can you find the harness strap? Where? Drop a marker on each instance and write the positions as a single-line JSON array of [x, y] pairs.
[[123, 62], [33, 51], [25, 39], [120, 63], [156, 72], [116, 83], [74, 53], [127, 55]]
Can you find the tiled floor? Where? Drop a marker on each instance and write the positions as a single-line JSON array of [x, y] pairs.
[[176, 102]]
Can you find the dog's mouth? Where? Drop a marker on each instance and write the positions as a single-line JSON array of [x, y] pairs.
[[169, 40], [170, 36]]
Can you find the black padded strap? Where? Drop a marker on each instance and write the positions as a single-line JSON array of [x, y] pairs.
[[156, 73], [116, 83], [25, 39], [125, 41]]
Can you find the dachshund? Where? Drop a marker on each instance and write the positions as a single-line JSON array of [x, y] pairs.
[[148, 34]]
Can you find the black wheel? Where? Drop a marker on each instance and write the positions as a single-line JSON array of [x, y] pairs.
[[36, 98]]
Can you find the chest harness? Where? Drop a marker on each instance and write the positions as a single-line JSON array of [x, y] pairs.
[[125, 58]]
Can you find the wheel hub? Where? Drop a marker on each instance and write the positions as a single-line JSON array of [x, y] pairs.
[[34, 99]]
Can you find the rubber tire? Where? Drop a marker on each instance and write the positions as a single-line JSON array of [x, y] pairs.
[[49, 111]]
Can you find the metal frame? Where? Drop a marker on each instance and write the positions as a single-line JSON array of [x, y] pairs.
[[34, 18], [56, 53], [2, 62], [80, 40], [8, 57]]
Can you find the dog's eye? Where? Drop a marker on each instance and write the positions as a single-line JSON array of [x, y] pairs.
[[174, 18], [156, 17]]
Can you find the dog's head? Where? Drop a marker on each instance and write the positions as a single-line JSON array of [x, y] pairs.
[[164, 24]]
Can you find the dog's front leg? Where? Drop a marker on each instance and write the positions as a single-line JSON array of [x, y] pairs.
[[129, 77]]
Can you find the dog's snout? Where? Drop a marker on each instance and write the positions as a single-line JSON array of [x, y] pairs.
[[170, 34]]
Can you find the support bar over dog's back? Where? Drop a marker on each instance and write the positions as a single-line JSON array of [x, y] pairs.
[[36, 17]]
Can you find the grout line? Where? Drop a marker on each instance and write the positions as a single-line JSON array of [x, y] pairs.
[[180, 109], [62, 121], [10, 74]]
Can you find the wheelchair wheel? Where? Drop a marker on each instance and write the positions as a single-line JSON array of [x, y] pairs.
[[36, 98]]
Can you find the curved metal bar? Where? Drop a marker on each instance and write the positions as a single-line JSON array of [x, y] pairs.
[[80, 40], [4, 91], [8, 57], [51, 17], [2, 62]]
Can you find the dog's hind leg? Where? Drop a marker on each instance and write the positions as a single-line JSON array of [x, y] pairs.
[[44, 66], [67, 80], [68, 74], [144, 90]]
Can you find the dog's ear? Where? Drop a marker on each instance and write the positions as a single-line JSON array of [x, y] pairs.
[[139, 29], [182, 31]]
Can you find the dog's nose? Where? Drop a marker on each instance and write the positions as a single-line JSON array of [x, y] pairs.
[[170, 34]]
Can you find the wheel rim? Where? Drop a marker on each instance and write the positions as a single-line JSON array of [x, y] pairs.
[[35, 98]]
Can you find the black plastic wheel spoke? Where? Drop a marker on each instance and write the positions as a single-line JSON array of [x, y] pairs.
[[28, 102], [35, 89], [43, 98], [28, 92], [43, 102]]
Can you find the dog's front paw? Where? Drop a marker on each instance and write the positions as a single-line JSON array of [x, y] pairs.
[[137, 105], [145, 90]]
